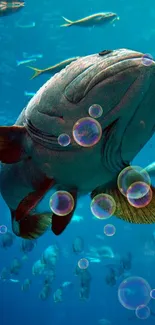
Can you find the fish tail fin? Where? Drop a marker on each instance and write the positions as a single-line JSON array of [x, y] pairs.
[[127, 212], [69, 22], [37, 72]]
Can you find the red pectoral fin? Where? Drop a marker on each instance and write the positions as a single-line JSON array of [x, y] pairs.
[[33, 198], [59, 223], [11, 138], [30, 225]]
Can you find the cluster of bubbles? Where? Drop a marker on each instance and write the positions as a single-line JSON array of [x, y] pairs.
[[134, 294], [134, 183], [103, 206], [86, 131], [109, 230], [147, 59], [61, 203], [83, 263], [3, 229]]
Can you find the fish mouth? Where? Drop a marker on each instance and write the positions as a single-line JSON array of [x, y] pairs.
[[38, 133], [47, 140]]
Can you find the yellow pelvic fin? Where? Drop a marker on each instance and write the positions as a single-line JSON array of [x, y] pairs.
[[69, 22], [129, 213], [37, 72]]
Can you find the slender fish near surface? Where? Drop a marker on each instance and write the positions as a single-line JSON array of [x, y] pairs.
[[92, 20], [53, 69]]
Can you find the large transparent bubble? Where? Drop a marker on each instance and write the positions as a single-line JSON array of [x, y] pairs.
[[134, 292]]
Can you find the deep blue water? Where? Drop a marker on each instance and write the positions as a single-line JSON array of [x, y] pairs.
[[134, 30]]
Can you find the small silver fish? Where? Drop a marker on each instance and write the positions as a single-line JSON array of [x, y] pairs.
[[33, 56], [66, 284], [94, 260], [24, 61], [14, 280], [29, 94], [30, 25]]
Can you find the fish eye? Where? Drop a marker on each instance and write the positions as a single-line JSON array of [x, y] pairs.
[[105, 52]]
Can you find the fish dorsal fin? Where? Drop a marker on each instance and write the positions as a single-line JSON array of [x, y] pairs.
[[67, 20], [127, 212]]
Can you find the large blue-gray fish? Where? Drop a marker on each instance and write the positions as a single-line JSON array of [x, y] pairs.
[[33, 162]]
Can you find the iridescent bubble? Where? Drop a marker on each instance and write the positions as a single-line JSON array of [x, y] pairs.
[[134, 292], [142, 312], [152, 294], [87, 132], [3, 229], [103, 206], [61, 203], [95, 111], [83, 263], [147, 59], [64, 140], [139, 194], [130, 175], [109, 230]]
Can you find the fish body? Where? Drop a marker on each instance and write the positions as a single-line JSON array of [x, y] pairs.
[[8, 7], [92, 20], [33, 162], [53, 69]]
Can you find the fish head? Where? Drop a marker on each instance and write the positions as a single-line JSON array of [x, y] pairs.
[[108, 15], [119, 82]]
